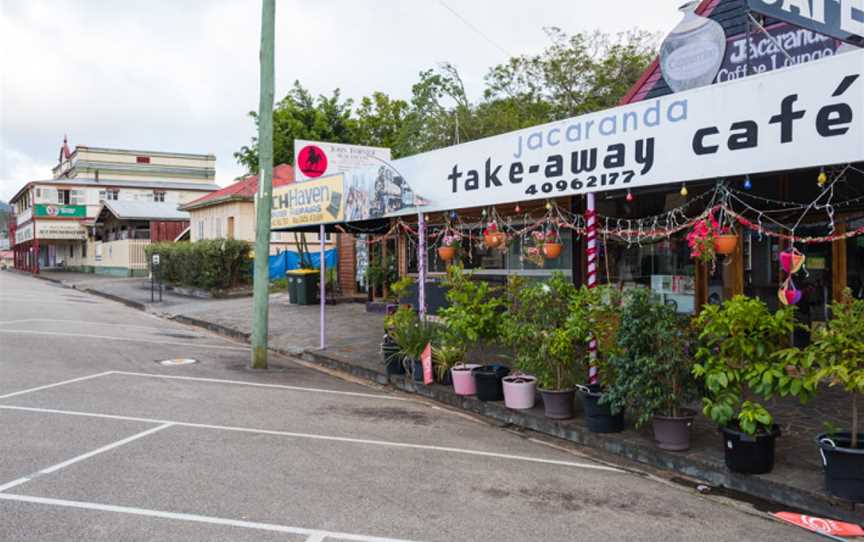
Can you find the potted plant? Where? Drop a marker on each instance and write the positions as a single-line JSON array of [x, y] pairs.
[[551, 245], [836, 357], [737, 343], [652, 367], [397, 291], [595, 316], [492, 236], [445, 356], [390, 349], [413, 335], [471, 318], [451, 243], [520, 391], [707, 238], [534, 327]]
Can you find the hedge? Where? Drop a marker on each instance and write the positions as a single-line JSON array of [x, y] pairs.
[[216, 264]]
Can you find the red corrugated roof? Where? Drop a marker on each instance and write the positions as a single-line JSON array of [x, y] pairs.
[[246, 187]]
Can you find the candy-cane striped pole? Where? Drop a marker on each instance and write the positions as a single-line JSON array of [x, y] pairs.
[[591, 253]]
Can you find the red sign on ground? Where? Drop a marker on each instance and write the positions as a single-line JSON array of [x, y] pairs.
[[426, 359], [312, 161], [821, 525]]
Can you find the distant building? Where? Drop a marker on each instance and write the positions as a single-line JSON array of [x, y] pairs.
[[229, 213], [58, 224]]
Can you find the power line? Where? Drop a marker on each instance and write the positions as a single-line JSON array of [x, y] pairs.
[[467, 23]]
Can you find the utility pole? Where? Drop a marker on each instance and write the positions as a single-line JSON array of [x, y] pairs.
[[264, 196]]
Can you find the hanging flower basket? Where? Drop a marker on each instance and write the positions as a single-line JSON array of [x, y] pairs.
[[725, 243], [446, 253], [552, 250], [493, 237]]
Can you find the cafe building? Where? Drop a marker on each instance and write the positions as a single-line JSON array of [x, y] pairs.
[[764, 144]]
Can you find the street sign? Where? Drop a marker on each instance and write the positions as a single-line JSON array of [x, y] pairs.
[[155, 259]]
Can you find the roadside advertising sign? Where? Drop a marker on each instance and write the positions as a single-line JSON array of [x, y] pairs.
[[317, 159]]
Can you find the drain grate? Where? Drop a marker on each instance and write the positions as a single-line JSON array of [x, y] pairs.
[[177, 361]]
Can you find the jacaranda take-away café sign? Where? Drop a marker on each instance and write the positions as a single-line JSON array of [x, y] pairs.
[[802, 116]]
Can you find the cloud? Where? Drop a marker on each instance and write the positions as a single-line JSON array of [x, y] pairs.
[[181, 75]]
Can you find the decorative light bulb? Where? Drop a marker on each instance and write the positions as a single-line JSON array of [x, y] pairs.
[[747, 184], [549, 205], [453, 215], [629, 196], [518, 209], [484, 212], [684, 191], [822, 178]]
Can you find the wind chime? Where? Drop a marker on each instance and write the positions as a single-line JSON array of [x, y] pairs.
[[791, 261]]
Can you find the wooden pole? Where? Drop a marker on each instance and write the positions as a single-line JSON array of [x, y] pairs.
[[264, 196]]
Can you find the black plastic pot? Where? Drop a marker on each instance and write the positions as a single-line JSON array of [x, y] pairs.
[[392, 359], [599, 418], [844, 466], [673, 432], [446, 379], [488, 377], [558, 404], [417, 370], [749, 454]]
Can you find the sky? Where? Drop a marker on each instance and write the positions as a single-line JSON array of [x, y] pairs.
[[182, 75]]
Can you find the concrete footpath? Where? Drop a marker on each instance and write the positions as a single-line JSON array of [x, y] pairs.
[[353, 336]]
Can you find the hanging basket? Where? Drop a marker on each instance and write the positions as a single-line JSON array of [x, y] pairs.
[[726, 243], [446, 253], [551, 250], [494, 239]]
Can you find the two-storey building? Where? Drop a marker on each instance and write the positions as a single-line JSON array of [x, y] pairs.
[[58, 219]]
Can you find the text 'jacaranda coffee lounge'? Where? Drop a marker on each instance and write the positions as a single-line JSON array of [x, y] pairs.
[[762, 144]]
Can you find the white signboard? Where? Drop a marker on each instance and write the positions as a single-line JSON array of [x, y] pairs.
[[803, 116], [315, 159], [24, 234], [60, 230]]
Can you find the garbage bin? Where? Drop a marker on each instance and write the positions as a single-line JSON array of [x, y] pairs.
[[305, 286]]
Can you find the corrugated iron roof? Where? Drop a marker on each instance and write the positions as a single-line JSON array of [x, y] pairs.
[[144, 210], [244, 189]]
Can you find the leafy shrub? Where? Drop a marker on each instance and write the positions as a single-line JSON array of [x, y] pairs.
[[216, 264], [474, 309], [652, 362], [738, 344]]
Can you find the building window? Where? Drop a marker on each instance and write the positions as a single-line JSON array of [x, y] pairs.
[[109, 195], [200, 229], [158, 195], [64, 197], [142, 159], [84, 250]]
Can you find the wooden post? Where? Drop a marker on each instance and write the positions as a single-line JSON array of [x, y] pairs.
[[384, 288], [263, 198], [701, 287], [838, 264]]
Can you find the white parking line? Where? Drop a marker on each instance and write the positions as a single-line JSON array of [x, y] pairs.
[[82, 457], [260, 385], [54, 385], [313, 534], [312, 436], [125, 339]]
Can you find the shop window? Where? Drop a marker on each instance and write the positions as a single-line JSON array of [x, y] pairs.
[[158, 195]]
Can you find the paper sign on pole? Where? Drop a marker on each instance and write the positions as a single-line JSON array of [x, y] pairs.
[[426, 360]]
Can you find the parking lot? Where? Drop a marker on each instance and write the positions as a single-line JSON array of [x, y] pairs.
[[101, 442]]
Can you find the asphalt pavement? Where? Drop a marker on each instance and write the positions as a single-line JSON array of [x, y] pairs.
[[100, 441]]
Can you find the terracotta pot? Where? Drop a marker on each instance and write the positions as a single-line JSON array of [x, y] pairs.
[[551, 250], [463, 379], [493, 240], [725, 244], [519, 391], [446, 253]]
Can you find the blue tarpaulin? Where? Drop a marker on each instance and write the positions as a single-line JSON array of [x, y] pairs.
[[288, 260]]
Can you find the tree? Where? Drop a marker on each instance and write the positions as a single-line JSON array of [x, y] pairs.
[[300, 116]]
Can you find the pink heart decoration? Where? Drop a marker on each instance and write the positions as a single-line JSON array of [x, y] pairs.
[[793, 296], [786, 260], [791, 261]]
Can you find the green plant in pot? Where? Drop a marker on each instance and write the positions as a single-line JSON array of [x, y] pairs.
[[543, 346], [446, 354], [738, 342], [652, 366], [595, 316], [835, 357], [472, 319], [390, 350], [412, 335]]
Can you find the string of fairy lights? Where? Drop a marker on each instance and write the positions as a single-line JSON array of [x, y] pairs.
[[735, 207]]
